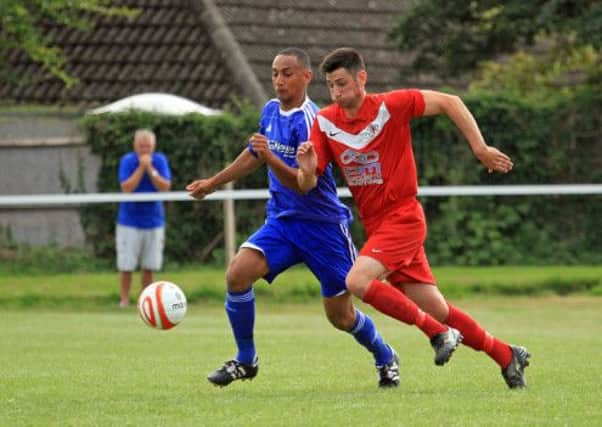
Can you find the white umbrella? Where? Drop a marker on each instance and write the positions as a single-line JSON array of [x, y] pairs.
[[162, 103]]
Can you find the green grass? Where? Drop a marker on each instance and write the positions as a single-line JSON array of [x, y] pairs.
[[100, 290], [105, 368]]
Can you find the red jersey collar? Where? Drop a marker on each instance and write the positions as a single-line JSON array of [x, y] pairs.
[[363, 114]]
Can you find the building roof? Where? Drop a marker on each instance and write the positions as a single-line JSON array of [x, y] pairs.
[[170, 48]]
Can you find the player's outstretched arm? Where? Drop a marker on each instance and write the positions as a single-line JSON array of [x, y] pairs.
[[243, 165], [308, 162], [451, 105]]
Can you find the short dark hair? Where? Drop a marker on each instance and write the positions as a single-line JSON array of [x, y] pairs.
[[343, 57], [300, 54]]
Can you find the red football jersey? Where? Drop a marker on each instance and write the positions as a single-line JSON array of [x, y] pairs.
[[373, 150]]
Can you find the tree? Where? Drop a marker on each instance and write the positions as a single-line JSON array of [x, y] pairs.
[[544, 77], [21, 28], [449, 39]]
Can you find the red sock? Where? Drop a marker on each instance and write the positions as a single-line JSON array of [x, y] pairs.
[[478, 338], [392, 302]]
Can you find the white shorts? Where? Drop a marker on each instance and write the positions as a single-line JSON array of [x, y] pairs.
[[139, 246]]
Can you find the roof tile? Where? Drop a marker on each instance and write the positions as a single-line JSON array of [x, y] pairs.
[[166, 48]]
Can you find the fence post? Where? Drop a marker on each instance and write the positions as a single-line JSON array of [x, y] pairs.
[[229, 225]]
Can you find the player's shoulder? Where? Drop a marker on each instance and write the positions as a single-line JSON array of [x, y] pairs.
[[401, 95], [301, 116], [329, 111], [310, 105], [408, 103], [272, 105], [307, 109]]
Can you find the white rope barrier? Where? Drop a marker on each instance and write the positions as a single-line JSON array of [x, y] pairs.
[[34, 200]]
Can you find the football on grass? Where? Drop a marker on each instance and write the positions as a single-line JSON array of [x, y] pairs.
[[162, 305]]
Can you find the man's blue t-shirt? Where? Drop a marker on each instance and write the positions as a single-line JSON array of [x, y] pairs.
[[285, 130], [142, 214]]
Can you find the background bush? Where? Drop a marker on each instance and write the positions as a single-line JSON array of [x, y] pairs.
[[559, 143], [556, 143]]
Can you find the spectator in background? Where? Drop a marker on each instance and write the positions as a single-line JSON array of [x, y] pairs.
[[140, 230]]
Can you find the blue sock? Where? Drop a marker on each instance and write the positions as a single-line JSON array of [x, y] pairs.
[[366, 334], [240, 307]]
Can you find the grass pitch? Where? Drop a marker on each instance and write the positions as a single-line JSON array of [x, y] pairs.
[[99, 290], [107, 368]]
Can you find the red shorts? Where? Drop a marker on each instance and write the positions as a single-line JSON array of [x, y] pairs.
[[397, 241]]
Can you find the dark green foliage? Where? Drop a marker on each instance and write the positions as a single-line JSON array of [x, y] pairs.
[[549, 145], [23, 259], [21, 28], [450, 38]]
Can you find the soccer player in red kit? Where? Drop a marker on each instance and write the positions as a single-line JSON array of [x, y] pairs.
[[368, 136]]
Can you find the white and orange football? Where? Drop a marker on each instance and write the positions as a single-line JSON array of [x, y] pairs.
[[162, 305]]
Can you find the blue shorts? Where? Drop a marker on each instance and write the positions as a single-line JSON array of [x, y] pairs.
[[326, 248]]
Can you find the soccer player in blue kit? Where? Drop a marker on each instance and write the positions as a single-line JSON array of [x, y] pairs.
[[310, 229]]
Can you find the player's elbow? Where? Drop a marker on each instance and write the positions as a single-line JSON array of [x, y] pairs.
[[441, 103], [453, 103], [126, 188], [306, 181], [307, 185], [303, 190], [166, 186]]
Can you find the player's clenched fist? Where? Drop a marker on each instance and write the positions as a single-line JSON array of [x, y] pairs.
[[260, 145], [200, 188]]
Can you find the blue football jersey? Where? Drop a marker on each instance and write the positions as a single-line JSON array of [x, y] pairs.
[[285, 130]]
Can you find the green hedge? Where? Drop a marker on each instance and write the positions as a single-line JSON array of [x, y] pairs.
[[549, 145]]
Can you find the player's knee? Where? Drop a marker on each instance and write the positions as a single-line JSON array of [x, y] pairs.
[[343, 320], [341, 323], [355, 284], [235, 278], [243, 271]]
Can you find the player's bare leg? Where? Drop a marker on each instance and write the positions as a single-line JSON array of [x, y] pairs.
[[125, 283], [428, 298], [342, 314], [511, 359], [245, 269], [340, 311], [363, 281]]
